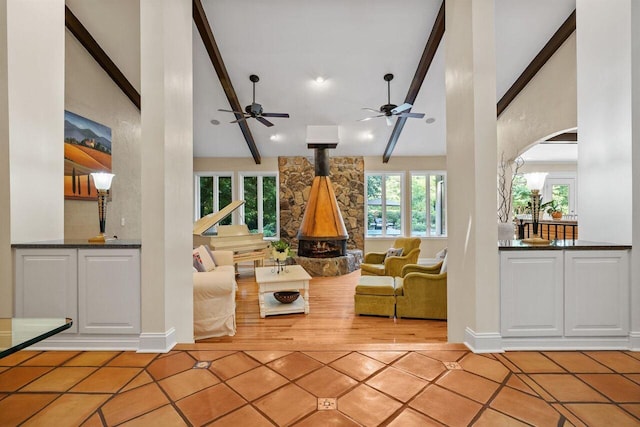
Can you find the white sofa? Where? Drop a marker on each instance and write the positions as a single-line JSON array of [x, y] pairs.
[[214, 298]]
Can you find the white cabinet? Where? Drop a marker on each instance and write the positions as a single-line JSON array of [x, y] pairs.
[[531, 293], [109, 291], [596, 293], [565, 298], [46, 284], [98, 288]]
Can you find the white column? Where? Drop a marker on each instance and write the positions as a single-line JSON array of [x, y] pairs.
[[603, 50], [31, 149], [473, 290], [167, 170], [635, 184]]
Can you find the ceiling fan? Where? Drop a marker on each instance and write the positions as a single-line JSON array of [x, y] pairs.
[[255, 110], [388, 110]]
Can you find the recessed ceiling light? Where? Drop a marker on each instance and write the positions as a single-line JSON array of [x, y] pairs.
[[430, 120], [214, 122], [319, 80], [274, 137], [366, 136]]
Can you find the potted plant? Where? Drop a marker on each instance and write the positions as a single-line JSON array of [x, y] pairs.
[[552, 208], [280, 250]]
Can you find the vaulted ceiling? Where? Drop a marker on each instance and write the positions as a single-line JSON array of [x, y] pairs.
[[351, 44]]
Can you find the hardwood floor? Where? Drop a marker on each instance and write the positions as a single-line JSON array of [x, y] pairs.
[[331, 319]]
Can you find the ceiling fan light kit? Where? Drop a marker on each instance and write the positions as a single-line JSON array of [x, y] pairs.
[[389, 110], [254, 110]]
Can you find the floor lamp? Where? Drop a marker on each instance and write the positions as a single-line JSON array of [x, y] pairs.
[[102, 182], [535, 182]]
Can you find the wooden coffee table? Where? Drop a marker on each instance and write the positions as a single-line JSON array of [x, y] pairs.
[[294, 278]]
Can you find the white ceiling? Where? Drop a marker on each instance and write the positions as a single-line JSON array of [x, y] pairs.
[[352, 44]]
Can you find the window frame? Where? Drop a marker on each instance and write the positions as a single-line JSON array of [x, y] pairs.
[[383, 206], [443, 203], [216, 202], [260, 188]]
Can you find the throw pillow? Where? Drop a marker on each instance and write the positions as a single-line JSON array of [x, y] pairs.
[[393, 252], [443, 267], [206, 258], [441, 254], [197, 262]]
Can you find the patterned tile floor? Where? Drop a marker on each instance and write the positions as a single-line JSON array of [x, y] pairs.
[[203, 385]]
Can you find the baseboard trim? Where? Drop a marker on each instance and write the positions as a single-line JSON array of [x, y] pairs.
[[570, 343], [634, 341], [157, 342], [483, 342], [88, 343]]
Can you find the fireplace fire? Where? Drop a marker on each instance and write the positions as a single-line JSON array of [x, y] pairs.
[[322, 232]]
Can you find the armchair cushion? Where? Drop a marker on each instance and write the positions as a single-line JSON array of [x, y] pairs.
[[421, 294]]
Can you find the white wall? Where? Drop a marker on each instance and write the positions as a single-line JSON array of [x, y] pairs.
[[604, 120], [91, 93], [546, 106], [35, 52]]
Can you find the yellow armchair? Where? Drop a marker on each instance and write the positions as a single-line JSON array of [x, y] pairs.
[[421, 292], [378, 264]]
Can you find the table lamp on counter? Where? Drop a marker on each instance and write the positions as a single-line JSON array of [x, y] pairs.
[[102, 182]]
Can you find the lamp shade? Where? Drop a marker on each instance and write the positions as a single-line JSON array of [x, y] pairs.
[[535, 181], [102, 180]]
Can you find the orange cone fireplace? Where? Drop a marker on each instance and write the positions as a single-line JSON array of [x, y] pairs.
[[322, 232]]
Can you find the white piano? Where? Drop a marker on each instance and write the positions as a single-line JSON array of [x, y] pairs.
[[246, 246]]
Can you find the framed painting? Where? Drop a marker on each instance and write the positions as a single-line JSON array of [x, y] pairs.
[[87, 148]]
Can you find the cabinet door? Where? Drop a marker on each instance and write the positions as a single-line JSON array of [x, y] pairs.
[[45, 284], [597, 293], [109, 291], [531, 293]]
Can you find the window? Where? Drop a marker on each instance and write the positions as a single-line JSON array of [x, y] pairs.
[[260, 210], [428, 204], [560, 186], [384, 204], [213, 192]]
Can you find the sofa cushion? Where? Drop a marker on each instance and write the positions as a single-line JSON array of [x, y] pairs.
[[206, 257], [197, 262]]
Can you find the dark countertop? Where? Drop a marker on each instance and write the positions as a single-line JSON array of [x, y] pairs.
[[512, 245], [79, 244]]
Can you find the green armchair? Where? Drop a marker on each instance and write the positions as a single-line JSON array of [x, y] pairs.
[[421, 292], [378, 264]]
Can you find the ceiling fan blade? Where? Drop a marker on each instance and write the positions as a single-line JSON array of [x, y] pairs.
[[369, 118], [389, 121], [239, 120], [401, 108], [372, 109], [230, 111], [411, 115], [285, 115], [264, 121]]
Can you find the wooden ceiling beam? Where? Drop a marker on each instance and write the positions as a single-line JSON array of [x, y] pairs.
[[200, 19], [91, 45], [564, 137], [423, 67], [549, 49]]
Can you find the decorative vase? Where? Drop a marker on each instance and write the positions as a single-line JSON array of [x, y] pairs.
[[556, 215]]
